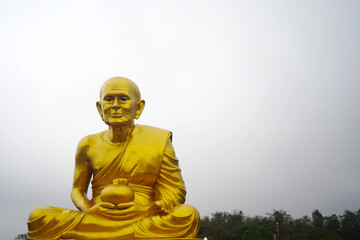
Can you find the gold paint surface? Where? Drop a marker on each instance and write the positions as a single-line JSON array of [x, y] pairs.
[[138, 190]]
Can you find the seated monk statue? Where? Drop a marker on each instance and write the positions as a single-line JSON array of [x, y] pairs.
[[137, 188]]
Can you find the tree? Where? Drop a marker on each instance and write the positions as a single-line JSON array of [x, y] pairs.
[[302, 225], [322, 234], [285, 222], [281, 217], [21, 237], [332, 223], [350, 225], [317, 219], [205, 227]]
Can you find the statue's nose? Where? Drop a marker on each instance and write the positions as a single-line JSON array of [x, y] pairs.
[[116, 104]]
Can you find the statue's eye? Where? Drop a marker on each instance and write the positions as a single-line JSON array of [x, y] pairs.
[[124, 99], [109, 99]]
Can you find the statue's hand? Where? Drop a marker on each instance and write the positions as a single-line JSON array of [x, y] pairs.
[[124, 211], [123, 206], [101, 208], [157, 207]]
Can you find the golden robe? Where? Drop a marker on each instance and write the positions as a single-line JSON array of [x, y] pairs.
[[149, 164]]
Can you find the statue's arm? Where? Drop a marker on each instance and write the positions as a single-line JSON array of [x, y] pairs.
[[82, 176], [170, 187]]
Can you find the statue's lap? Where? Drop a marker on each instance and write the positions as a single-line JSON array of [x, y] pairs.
[[54, 221]]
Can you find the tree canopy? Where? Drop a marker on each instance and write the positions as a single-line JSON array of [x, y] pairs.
[[237, 226]]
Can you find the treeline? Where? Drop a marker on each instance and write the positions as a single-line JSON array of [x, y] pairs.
[[237, 226]]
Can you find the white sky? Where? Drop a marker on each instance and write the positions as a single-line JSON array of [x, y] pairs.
[[262, 98]]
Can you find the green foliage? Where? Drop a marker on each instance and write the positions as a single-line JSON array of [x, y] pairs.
[[237, 226], [333, 223], [350, 225], [21, 237], [322, 234], [318, 219]]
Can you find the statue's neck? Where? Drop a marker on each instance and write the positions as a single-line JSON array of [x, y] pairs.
[[119, 133]]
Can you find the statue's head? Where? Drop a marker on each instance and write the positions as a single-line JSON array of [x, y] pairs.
[[120, 101]]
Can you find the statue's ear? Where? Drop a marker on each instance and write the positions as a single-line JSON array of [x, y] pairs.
[[140, 108], [98, 106]]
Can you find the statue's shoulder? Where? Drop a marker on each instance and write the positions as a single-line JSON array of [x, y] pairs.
[[146, 128], [152, 132], [89, 140]]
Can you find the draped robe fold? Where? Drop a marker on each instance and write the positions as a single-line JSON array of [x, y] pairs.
[[149, 164]]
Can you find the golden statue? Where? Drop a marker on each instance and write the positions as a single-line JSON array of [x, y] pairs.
[[138, 190]]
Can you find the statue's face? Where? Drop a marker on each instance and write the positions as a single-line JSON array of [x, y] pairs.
[[119, 103]]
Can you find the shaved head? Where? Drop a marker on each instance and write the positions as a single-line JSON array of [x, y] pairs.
[[118, 82], [120, 102]]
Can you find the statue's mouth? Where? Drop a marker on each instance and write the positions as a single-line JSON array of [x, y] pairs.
[[116, 115]]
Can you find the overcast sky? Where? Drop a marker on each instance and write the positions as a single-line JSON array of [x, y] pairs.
[[262, 98]]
